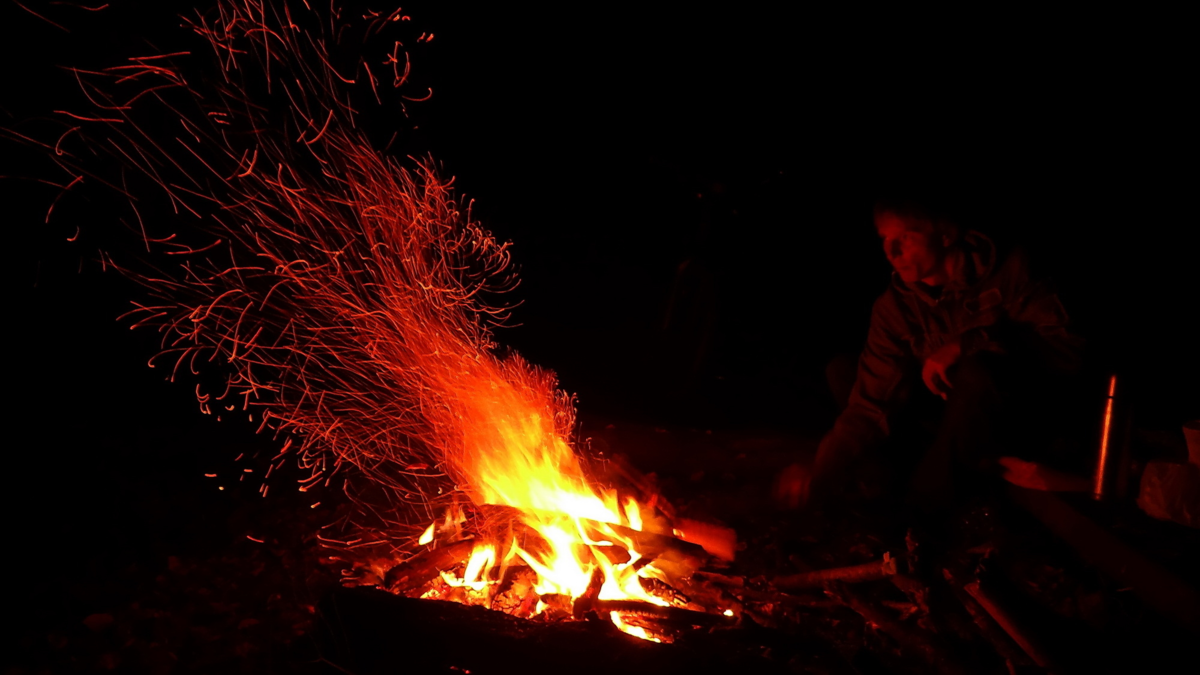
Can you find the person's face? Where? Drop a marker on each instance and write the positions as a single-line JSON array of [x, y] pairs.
[[915, 251]]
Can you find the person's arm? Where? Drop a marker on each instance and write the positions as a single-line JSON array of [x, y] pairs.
[[864, 422], [1034, 322]]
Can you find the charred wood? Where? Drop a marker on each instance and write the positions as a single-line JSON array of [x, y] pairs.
[[1006, 622], [423, 567], [911, 640], [584, 604], [872, 571], [672, 615], [720, 542], [663, 591], [650, 544], [988, 628], [916, 591]]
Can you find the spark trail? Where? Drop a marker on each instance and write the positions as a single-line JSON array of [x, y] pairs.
[[345, 296]]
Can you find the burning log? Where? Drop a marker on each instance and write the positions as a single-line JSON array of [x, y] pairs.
[[670, 615], [423, 567], [584, 604], [650, 544], [872, 571], [663, 591], [617, 555], [718, 541]]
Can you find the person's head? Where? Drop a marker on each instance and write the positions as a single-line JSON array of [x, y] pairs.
[[916, 241]]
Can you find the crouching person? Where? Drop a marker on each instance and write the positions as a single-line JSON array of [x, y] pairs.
[[973, 327]]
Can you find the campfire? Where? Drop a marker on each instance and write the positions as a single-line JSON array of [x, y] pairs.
[[586, 554], [347, 297], [547, 541]]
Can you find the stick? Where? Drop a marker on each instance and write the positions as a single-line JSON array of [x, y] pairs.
[[587, 602], [720, 542], [991, 631], [854, 574], [419, 569], [1007, 623], [673, 615], [911, 640], [649, 544]]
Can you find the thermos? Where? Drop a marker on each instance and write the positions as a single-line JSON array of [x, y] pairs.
[[1112, 453]]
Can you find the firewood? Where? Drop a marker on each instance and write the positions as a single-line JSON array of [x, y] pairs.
[[737, 582], [650, 544], [1007, 622], [617, 555], [871, 571], [663, 591], [991, 631], [703, 593], [916, 591], [421, 568], [583, 604], [720, 542], [911, 639], [557, 606], [672, 615], [785, 599]]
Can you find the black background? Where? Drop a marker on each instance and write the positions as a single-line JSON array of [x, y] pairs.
[[612, 143]]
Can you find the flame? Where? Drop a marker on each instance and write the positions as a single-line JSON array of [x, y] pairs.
[[514, 453], [349, 306], [427, 535], [636, 631]]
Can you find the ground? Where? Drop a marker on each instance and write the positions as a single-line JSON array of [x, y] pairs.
[[165, 575]]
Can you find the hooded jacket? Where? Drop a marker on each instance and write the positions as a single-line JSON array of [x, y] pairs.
[[987, 305]]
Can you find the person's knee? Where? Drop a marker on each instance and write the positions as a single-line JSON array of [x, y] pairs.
[[976, 373]]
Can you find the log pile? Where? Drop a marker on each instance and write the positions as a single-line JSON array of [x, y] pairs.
[[771, 620]]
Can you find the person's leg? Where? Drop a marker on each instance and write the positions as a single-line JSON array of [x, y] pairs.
[[967, 435]]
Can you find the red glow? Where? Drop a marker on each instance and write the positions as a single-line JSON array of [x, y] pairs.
[[347, 296]]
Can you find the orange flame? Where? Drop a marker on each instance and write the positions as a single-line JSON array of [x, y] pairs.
[[348, 303], [514, 453]]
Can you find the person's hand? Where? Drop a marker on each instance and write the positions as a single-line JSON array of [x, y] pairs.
[[791, 486], [1036, 476], [1020, 472], [935, 370]]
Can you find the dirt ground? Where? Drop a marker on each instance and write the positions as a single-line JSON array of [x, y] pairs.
[[153, 569]]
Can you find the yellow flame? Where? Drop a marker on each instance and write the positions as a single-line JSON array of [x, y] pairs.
[[636, 631], [427, 536], [514, 453]]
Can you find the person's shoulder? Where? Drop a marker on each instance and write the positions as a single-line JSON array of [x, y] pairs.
[[998, 260]]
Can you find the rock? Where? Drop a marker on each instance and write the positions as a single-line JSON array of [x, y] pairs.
[[1171, 491]]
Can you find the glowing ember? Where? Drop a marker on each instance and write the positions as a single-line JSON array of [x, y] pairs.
[[346, 298]]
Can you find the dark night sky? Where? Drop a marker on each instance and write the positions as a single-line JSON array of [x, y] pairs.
[[611, 145]]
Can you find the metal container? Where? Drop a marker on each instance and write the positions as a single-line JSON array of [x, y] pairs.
[[1111, 478]]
